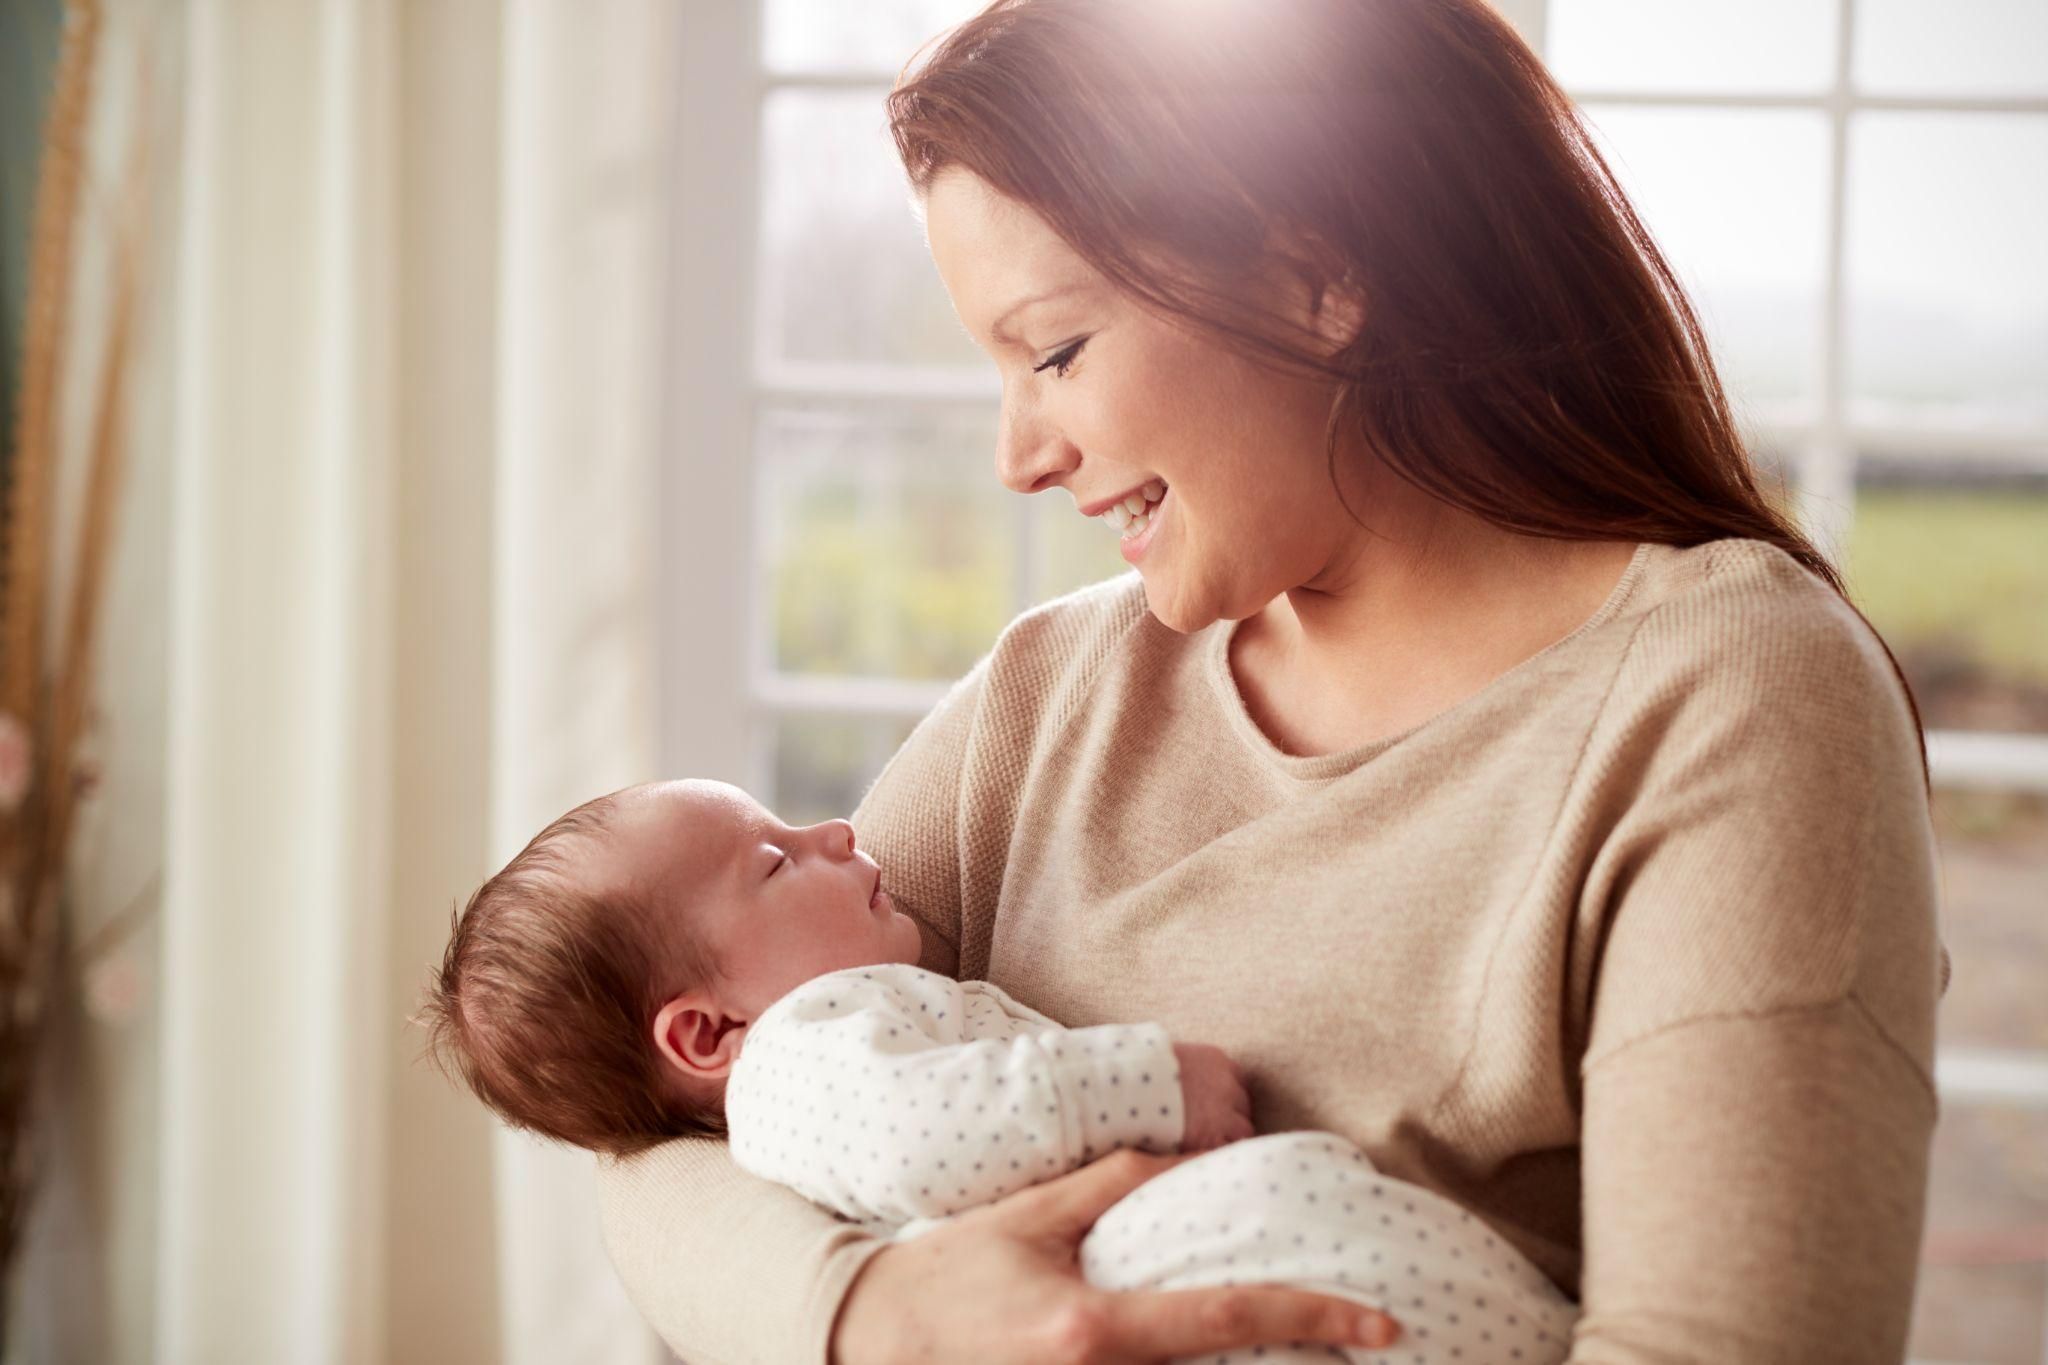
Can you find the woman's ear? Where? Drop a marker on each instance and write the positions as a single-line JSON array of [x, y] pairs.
[[1339, 313], [697, 1036], [1325, 297]]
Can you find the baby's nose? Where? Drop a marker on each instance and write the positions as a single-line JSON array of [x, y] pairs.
[[839, 837]]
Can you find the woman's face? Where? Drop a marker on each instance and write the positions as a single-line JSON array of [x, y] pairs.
[[1109, 401]]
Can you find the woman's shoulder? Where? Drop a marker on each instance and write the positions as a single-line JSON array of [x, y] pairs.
[[1748, 582], [1760, 799], [1745, 673], [1747, 620], [1093, 617], [1039, 671], [1050, 657]]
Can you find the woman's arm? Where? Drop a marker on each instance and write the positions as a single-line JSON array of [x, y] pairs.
[[727, 1268], [1758, 1094], [1753, 1192]]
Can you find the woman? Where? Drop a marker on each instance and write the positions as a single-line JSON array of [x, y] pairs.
[[1477, 754]]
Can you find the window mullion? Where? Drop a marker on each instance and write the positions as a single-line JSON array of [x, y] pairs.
[[1828, 478], [707, 472]]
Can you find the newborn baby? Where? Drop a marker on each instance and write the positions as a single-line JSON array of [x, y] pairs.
[[674, 960]]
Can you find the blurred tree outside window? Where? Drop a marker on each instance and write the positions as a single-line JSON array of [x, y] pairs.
[[1855, 202]]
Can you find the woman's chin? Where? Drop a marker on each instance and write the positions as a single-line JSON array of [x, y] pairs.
[[1168, 610]]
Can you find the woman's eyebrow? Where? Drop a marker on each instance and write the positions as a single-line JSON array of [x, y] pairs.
[[996, 329]]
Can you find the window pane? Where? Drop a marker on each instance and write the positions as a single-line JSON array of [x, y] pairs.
[[823, 764], [1682, 45], [844, 273], [1959, 47], [1984, 1262], [854, 35], [1737, 200], [1994, 872], [887, 542], [1955, 579], [1948, 284]]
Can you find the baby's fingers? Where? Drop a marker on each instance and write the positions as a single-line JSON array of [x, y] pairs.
[[1167, 1324]]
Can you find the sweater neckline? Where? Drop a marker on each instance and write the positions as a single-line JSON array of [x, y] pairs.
[[1324, 767]]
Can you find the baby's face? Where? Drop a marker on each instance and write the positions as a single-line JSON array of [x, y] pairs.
[[775, 905]]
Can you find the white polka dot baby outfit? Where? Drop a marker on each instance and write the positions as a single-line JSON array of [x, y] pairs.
[[896, 1097], [892, 1093], [1309, 1209]]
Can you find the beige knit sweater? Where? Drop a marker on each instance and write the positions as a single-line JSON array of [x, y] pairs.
[[1632, 953]]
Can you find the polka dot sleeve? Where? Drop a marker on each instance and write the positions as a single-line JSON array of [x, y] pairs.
[[894, 1093]]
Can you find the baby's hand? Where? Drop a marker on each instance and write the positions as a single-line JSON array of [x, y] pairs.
[[1218, 1107]]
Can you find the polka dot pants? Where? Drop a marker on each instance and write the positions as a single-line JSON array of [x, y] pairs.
[[1309, 1210]]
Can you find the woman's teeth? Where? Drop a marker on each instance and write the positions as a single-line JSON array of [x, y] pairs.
[[1131, 516]]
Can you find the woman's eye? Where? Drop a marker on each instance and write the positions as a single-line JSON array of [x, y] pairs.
[[1060, 361]]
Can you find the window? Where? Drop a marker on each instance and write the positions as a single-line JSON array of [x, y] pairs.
[[860, 420], [1852, 189], [1856, 202]]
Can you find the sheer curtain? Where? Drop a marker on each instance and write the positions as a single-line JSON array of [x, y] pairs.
[[415, 355]]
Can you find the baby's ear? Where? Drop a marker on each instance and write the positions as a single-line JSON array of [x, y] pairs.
[[697, 1036]]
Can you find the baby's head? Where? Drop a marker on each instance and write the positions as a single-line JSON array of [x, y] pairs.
[[599, 988]]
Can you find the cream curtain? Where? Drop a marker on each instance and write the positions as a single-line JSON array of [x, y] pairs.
[[415, 358]]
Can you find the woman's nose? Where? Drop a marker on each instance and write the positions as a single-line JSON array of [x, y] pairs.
[[1031, 455]]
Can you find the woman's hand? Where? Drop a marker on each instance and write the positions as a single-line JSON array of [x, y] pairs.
[[1002, 1284], [1213, 1097]]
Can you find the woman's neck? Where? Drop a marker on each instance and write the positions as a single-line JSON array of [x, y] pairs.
[[1411, 623]]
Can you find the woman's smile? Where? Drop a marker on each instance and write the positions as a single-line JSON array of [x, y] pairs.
[[1139, 530], [1132, 514]]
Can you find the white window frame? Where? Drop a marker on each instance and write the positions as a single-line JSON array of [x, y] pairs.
[[723, 695], [1829, 446]]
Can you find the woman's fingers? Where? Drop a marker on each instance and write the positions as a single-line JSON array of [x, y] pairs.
[[1168, 1324], [1164, 1325], [1002, 1283]]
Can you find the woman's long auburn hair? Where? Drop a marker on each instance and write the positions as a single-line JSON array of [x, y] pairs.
[[1527, 355]]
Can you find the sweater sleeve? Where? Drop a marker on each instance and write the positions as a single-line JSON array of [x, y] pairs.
[[1757, 1080], [1753, 1192], [727, 1268], [869, 1092]]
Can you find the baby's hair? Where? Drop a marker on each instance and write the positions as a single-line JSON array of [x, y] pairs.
[[544, 1003]]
